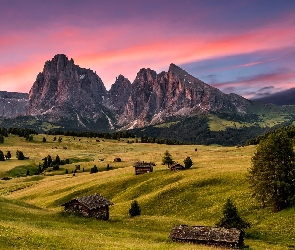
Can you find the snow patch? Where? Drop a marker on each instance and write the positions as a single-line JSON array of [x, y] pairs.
[[82, 77]]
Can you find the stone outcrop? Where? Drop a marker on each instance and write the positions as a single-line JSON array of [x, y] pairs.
[[13, 104]]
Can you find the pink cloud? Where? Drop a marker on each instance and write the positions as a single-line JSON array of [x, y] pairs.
[[112, 50]]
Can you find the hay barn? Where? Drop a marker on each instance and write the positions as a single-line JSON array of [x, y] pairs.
[[89, 206], [176, 166], [213, 236], [143, 167]]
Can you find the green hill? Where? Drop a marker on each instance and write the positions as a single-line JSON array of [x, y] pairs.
[[32, 216]]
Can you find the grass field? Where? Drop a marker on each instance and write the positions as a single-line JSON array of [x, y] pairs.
[[32, 216]]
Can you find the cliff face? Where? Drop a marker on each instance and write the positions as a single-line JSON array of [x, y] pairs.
[[65, 91], [154, 97], [13, 104]]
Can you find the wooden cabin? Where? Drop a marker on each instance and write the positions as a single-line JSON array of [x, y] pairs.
[[143, 167], [213, 236], [89, 206], [176, 166]]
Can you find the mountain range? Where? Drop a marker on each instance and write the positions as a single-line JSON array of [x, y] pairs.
[[68, 97]]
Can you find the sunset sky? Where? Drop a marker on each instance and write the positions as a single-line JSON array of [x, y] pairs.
[[245, 47]]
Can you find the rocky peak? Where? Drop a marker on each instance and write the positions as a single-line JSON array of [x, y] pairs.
[[65, 89], [119, 93]]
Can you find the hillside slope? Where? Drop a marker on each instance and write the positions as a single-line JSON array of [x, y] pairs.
[[33, 216]]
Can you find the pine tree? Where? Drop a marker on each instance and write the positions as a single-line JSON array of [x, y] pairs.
[[231, 217], [57, 160], [2, 156], [67, 171], [188, 162], [8, 155], [20, 155], [167, 158], [134, 209], [272, 174], [44, 139]]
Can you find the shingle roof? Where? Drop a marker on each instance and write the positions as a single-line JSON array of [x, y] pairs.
[[209, 234], [92, 201]]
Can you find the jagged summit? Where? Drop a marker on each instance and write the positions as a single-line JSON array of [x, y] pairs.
[[65, 91]]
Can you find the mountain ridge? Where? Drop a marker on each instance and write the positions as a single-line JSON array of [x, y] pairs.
[[70, 97]]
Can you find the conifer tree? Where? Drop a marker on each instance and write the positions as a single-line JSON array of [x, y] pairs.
[[2, 156], [231, 217], [134, 209], [188, 162], [272, 174], [167, 158]]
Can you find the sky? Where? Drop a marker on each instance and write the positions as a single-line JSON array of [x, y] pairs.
[[245, 47]]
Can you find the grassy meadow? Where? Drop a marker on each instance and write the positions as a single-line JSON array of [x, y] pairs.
[[32, 216]]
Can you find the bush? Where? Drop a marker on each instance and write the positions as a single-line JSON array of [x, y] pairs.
[[134, 209]]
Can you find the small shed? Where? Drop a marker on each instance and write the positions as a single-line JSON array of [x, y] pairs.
[[142, 167], [89, 206], [213, 236], [176, 166]]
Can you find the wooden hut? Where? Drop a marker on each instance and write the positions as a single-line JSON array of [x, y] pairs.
[[176, 166], [89, 206], [143, 167], [214, 236]]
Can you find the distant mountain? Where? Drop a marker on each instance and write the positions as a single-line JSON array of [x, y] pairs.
[[172, 104], [13, 104], [154, 97], [64, 92], [286, 97]]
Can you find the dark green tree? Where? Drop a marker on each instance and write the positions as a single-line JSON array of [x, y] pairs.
[[44, 139], [57, 160], [49, 161], [54, 138], [20, 155], [231, 217], [59, 139], [272, 173], [94, 170], [2, 156], [67, 171], [8, 155], [167, 158], [28, 172], [188, 162], [134, 209], [1, 139]]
